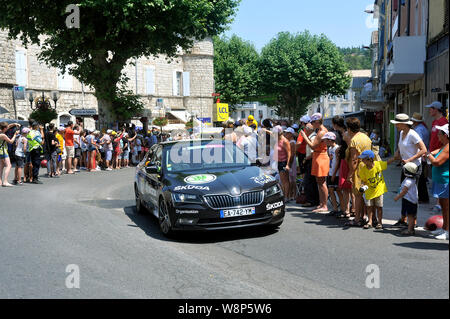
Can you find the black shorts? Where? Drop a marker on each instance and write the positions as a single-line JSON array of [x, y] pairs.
[[282, 166], [333, 184], [20, 161], [408, 208], [77, 153]]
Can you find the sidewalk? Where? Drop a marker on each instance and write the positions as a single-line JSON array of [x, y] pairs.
[[392, 209]]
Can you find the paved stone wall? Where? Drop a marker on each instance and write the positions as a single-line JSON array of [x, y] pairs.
[[41, 78]]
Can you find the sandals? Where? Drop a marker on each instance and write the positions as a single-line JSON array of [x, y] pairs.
[[367, 226], [408, 232], [352, 223], [379, 227], [343, 215]]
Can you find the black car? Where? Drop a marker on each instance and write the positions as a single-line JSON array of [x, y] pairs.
[[206, 185]]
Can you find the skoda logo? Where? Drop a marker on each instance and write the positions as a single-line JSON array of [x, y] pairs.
[[200, 179]]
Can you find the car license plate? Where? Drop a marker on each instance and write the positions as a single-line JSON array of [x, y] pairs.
[[237, 212]]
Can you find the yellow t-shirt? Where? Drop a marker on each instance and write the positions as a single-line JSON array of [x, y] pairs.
[[374, 179], [362, 143], [61, 141]]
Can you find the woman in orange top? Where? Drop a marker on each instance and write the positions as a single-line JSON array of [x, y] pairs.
[[320, 161]]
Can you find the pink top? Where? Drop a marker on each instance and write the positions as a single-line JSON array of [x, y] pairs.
[[282, 154]]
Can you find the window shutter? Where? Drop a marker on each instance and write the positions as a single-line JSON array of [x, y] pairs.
[[21, 68], [174, 80], [64, 81], [186, 84], [150, 81]]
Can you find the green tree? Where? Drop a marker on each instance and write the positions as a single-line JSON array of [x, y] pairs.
[[111, 33], [298, 68], [357, 58], [236, 72]]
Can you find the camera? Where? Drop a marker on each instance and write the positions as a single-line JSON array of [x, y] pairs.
[[363, 189]]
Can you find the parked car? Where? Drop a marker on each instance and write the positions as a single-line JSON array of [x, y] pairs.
[[206, 185]]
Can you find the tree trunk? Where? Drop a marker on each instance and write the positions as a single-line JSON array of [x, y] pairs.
[[106, 119]]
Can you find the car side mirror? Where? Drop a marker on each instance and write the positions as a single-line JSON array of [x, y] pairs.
[[152, 169]]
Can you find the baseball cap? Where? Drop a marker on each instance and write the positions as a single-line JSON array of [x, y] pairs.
[[109, 131], [435, 105], [443, 128], [295, 127], [290, 130], [61, 128], [367, 154], [329, 136], [411, 168], [305, 119], [247, 130], [316, 117], [25, 130]]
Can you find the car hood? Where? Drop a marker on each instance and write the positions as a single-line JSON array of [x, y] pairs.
[[220, 181]]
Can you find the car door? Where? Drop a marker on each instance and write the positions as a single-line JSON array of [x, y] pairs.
[[143, 182], [154, 180]]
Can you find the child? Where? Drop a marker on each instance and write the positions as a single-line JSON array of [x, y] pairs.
[[410, 197], [21, 149], [333, 176], [373, 186]]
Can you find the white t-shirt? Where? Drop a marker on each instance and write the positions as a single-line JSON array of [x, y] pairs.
[[248, 145], [413, 194], [308, 148], [334, 160], [408, 146]]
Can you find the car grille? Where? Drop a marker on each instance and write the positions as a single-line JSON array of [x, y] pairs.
[[227, 201]]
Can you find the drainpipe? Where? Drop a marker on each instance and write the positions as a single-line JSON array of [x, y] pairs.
[[408, 28]]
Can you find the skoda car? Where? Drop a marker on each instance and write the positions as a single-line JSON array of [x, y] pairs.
[[206, 185]]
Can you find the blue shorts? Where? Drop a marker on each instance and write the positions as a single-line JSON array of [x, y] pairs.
[[440, 190], [4, 156], [108, 155], [125, 155]]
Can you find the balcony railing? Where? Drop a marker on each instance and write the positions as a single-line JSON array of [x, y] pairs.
[[408, 60]]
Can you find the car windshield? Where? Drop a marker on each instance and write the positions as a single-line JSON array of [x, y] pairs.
[[197, 155]]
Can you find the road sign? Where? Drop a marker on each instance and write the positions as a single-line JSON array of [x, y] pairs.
[[19, 92], [83, 112], [222, 112]]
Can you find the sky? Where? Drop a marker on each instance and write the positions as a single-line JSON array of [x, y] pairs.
[[343, 21]]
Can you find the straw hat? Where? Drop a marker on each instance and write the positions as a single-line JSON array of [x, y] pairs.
[[417, 117], [402, 119]]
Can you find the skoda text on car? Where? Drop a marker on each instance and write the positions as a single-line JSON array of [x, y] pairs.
[[206, 185]]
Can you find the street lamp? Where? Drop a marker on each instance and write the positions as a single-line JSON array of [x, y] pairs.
[[55, 96]]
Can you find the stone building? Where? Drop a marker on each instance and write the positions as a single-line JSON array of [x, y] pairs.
[[181, 87]]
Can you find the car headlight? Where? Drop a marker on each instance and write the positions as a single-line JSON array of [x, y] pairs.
[[273, 190], [186, 198]]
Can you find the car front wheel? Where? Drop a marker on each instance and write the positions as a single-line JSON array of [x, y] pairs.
[[164, 219]]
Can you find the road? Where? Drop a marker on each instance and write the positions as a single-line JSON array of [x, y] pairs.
[[89, 220]]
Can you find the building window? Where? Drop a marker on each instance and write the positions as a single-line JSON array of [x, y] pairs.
[[260, 113], [64, 81], [149, 81], [243, 115], [21, 68], [252, 113]]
